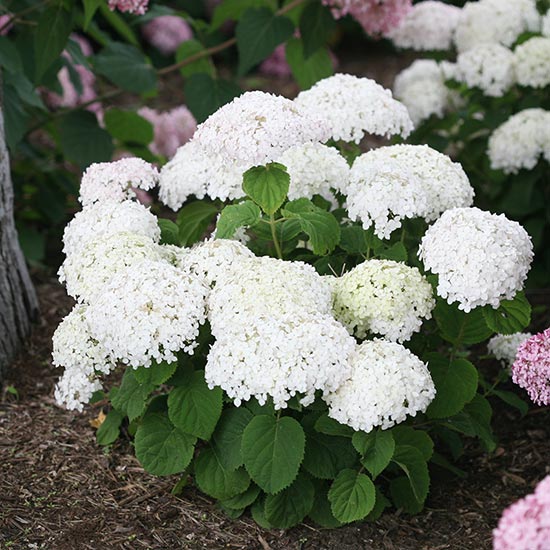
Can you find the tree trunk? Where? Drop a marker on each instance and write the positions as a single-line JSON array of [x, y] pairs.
[[18, 302]]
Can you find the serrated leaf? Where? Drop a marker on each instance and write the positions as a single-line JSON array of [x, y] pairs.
[[128, 127], [273, 449], [244, 214], [380, 505], [267, 186], [131, 396], [316, 24], [109, 430], [258, 514], [307, 70], [193, 220], [215, 480], [290, 506], [259, 31], [326, 455], [411, 461], [194, 407], [321, 512], [329, 426], [455, 383], [169, 232], [161, 448], [352, 496], [510, 317], [419, 439], [376, 449], [188, 49], [458, 327], [227, 437], [403, 496], [156, 374], [242, 500]]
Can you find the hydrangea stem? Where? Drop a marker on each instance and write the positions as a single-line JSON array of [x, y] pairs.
[[272, 223]]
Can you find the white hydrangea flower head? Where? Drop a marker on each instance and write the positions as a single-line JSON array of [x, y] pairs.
[[86, 271], [103, 219], [114, 181], [82, 357], [421, 88], [429, 25], [314, 169], [383, 297], [392, 183], [505, 346], [278, 357], [520, 141], [489, 67], [545, 24], [481, 258], [148, 311], [388, 383], [532, 62], [500, 21], [353, 106], [256, 128]]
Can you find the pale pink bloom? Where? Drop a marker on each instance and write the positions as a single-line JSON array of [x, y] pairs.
[[172, 129], [531, 369], [3, 20], [167, 32], [525, 525], [138, 7]]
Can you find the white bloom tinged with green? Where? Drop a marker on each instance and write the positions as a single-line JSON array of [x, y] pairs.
[[480, 258], [532, 62], [383, 297], [352, 107], [505, 346], [387, 384]]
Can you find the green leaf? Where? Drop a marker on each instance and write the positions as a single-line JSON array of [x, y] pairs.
[[411, 461], [291, 506], [326, 455], [258, 33], [228, 436], [455, 383], [15, 116], [379, 506], [321, 512], [307, 71], [169, 232], [191, 48], [215, 480], [10, 60], [419, 439], [233, 9], [376, 449], [442, 462], [273, 449], [397, 252], [50, 37], [126, 67], [244, 214], [204, 95], [258, 514], [131, 396], [194, 407], [461, 328], [352, 496], [109, 430], [161, 448], [119, 25], [82, 140], [242, 500], [316, 25], [329, 426], [403, 496], [355, 240], [193, 220], [510, 398], [510, 317], [267, 186], [128, 127], [156, 374], [90, 7]]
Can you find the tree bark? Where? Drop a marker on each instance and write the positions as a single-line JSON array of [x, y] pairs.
[[18, 302]]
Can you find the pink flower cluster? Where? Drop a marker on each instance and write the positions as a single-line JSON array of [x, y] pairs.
[[4, 20], [138, 7], [525, 525], [167, 32], [172, 129], [275, 64], [377, 17], [531, 369]]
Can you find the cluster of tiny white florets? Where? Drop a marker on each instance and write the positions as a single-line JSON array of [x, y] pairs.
[[489, 67], [82, 356], [505, 346], [383, 297], [429, 25], [532, 62], [481, 258], [256, 128], [314, 169], [113, 181], [520, 141], [421, 88], [392, 183], [353, 107], [388, 383], [545, 24], [274, 333], [103, 219], [148, 311], [495, 21]]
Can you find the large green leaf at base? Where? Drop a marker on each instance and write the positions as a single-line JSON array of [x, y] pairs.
[[376, 449], [461, 328], [326, 455], [267, 186], [352, 496], [411, 461], [131, 397], [228, 436], [291, 506]]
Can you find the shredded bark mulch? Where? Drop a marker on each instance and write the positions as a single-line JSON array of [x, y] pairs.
[[59, 490]]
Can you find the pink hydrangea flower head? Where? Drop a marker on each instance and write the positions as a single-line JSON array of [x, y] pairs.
[[531, 369], [5, 28], [137, 7], [275, 64], [525, 525], [167, 32], [172, 129]]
